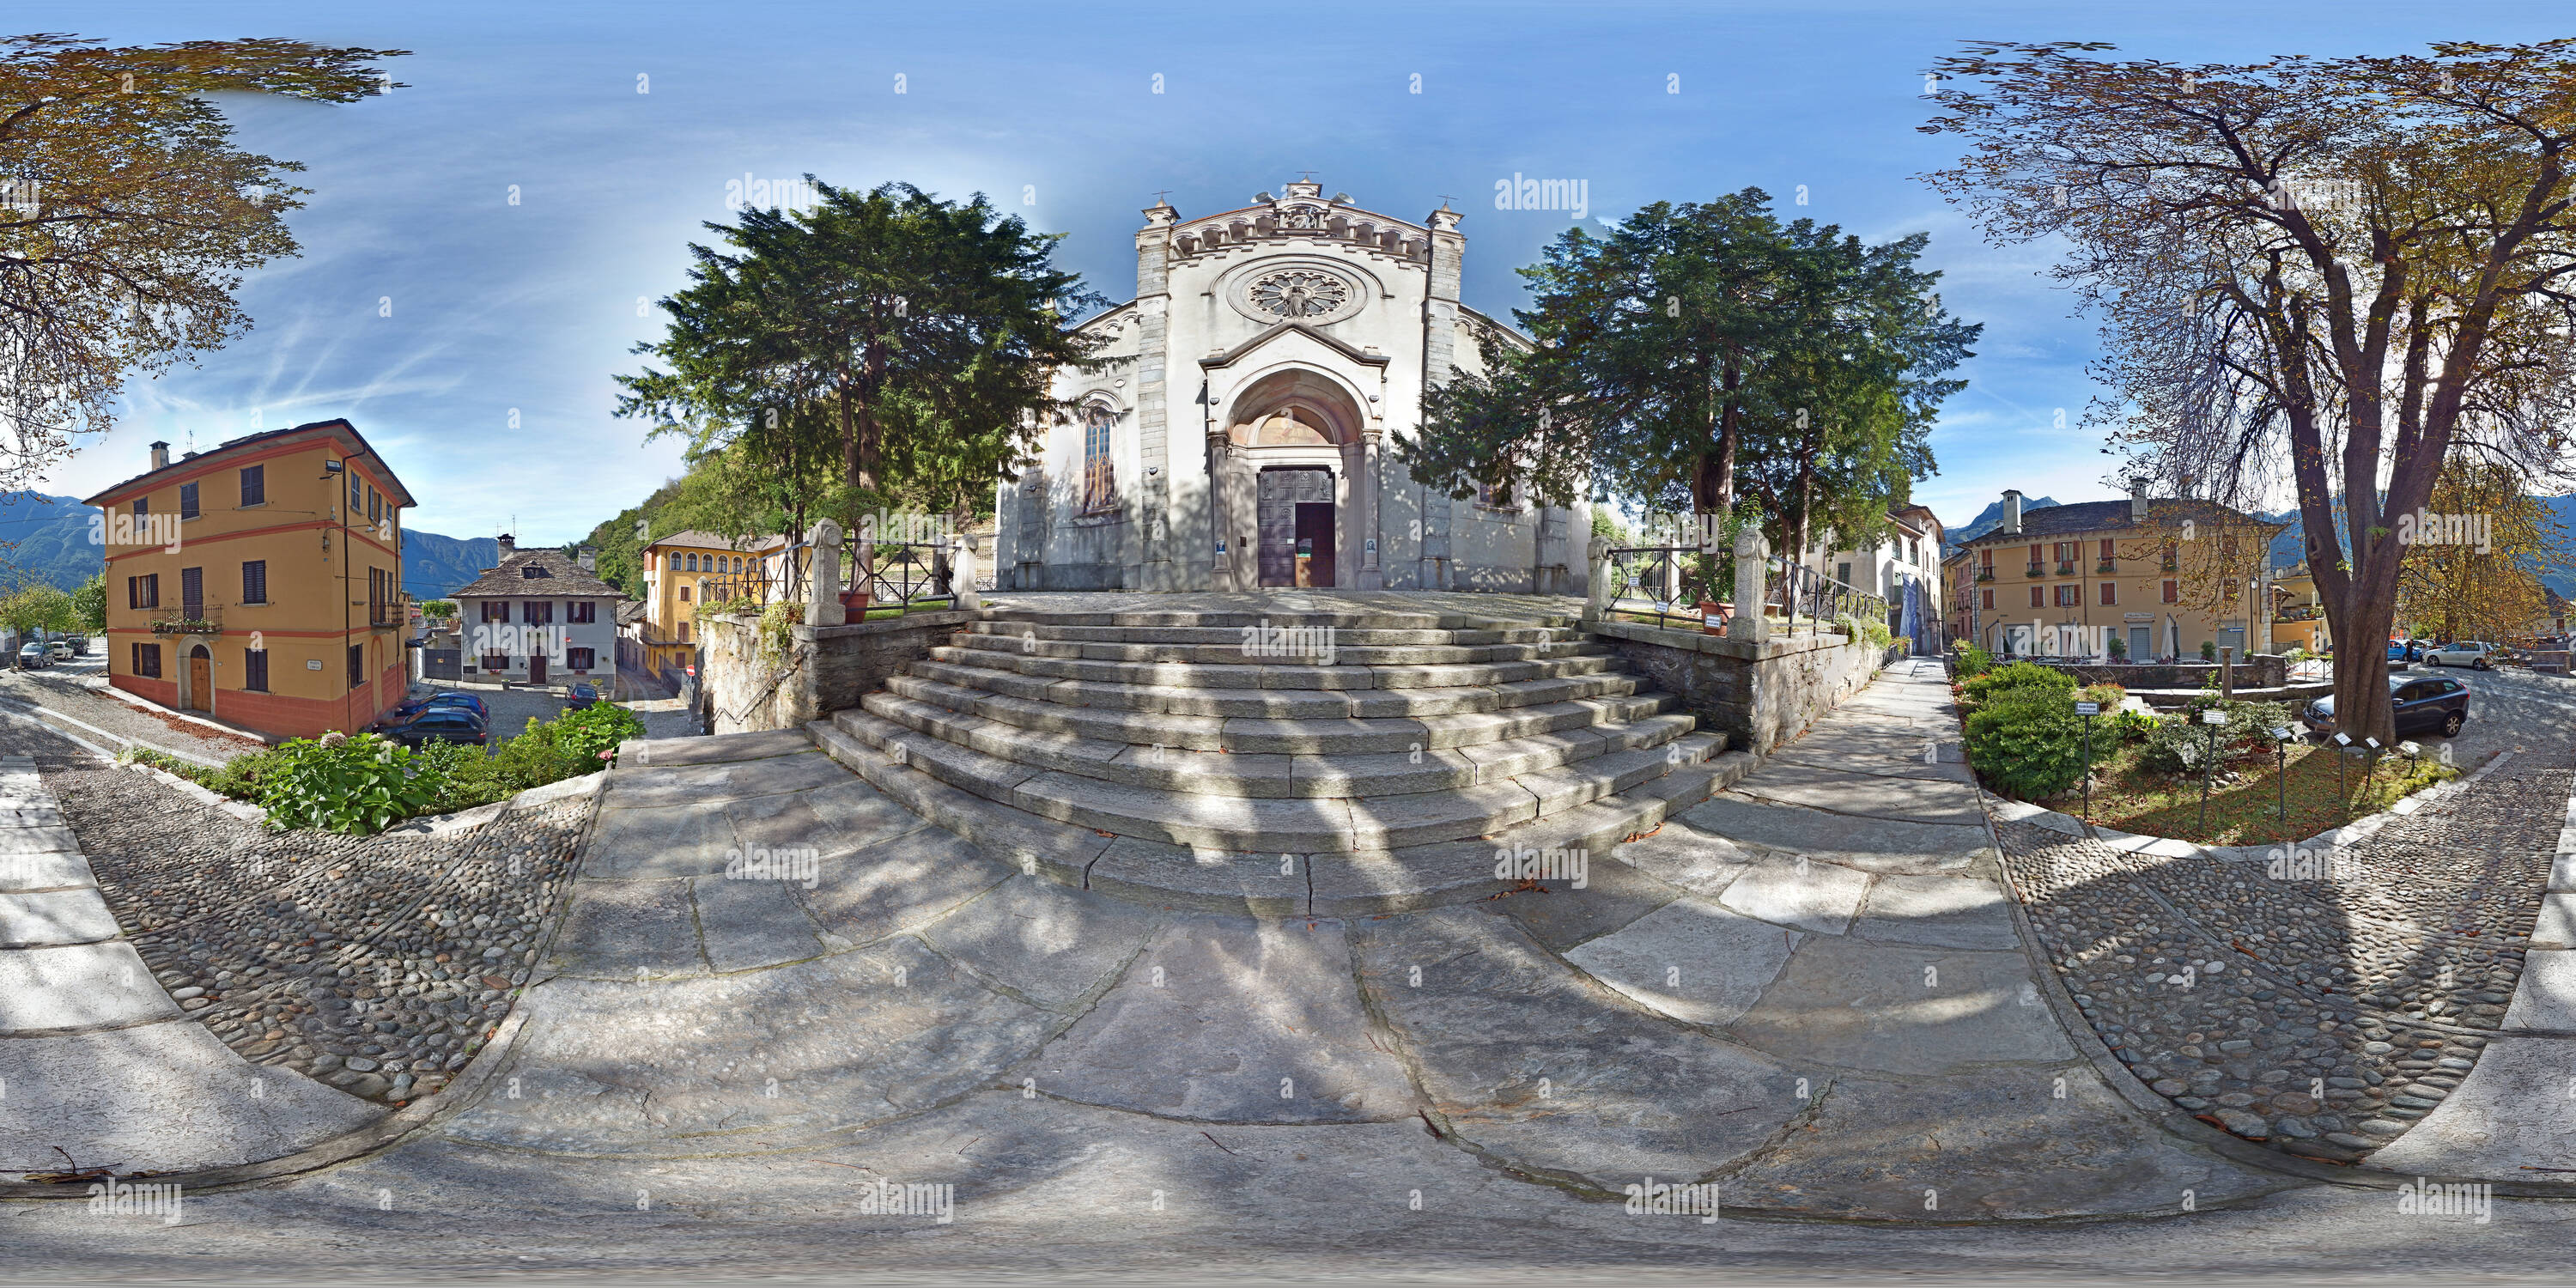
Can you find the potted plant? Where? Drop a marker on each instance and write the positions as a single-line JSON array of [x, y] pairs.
[[1713, 616], [2119, 649], [854, 604]]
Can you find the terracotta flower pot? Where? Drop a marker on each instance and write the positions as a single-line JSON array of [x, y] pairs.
[[854, 604], [1714, 615]]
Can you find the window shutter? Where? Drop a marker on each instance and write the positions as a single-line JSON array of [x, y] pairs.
[[187, 500], [254, 488], [255, 581]]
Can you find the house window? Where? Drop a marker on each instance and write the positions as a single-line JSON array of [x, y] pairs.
[[581, 611], [357, 493], [143, 505], [2035, 599], [688, 563], [254, 581], [255, 670], [143, 591], [537, 612], [380, 594], [192, 592], [1990, 601], [684, 594], [1099, 476], [579, 659], [2109, 595], [357, 665], [2069, 596], [147, 661], [1842, 573], [375, 506], [496, 610], [2106, 550], [496, 661], [2173, 592], [254, 485], [187, 500]]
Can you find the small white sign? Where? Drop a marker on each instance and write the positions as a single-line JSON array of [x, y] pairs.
[[2283, 733], [2088, 708], [2372, 743], [2343, 740], [313, 664], [2213, 717]]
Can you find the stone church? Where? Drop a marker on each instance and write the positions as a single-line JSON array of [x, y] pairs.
[[1238, 436]]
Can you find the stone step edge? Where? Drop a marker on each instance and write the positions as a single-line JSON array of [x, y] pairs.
[[915, 714], [1000, 781], [1140, 697], [1003, 611], [1069, 855], [1374, 655], [1429, 728], [1354, 637], [1224, 676]]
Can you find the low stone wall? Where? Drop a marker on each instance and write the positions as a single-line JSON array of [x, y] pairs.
[[825, 669], [1760, 695], [2254, 671]]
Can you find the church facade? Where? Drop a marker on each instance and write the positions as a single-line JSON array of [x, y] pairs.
[[1237, 436]]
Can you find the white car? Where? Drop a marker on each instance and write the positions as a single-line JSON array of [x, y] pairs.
[[2462, 653], [60, 651]]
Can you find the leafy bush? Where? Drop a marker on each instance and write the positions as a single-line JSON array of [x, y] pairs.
[[2119, 647], [2026, 742], [2209, 650], [2295, 655], [1973, 662], [2109, 695], [2129, 726], [2016, 677], [2181, 746], [358, 785]]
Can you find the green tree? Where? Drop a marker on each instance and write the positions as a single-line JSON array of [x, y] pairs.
[[905, 341], [37, 606], [127, 218], [2333, 270], [89, 603], [1693, 337]]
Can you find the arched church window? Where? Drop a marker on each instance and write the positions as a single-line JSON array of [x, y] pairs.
[[1099, 477]]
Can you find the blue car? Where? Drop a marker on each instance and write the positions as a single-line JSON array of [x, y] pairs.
[[583, 695], [436, 724], [465, 700], [2405, 650]]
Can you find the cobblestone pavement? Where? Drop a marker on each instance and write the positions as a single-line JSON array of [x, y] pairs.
[[375, 964], [63, 698], [2323, 1004]]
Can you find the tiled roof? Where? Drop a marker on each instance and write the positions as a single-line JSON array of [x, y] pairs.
[[704, 540], [559, 576], [2110, 516], [197, 463]]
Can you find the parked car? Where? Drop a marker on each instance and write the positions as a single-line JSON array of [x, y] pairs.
[[583, 695], [2463, 653], [437, 724], [2424, 704], [79, 643], [463, 701], [2406, 650], [60, 651], [34, 657]]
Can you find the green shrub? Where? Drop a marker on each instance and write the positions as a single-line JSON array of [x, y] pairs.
[[2016, 677], [2209, 650], [359, 785], [2129, 726], [1973, 662], [2026, 742], [2109, 695], [2119, 648], [2180, 746]]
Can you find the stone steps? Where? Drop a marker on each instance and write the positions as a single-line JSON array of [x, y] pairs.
[[1356, 637], [1174, 768], [1340, 735], [1284, 703], [1262, 824], [1243, 673], [1237, 653], [1275, 883], [1285, 615]]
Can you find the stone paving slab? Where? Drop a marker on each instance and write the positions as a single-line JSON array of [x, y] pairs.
[[1552, 1074], [76, 987], [55, 917], [1941, 911], [1855, 1005], [49, 871], [653, 785], [158, 1097], [629, 930], [750, 1060], [1687, 857], [1046, 942], [895, 886], [1613, 895], [748, 924], [661, 841], [1234, 1020], [2556, 925], [1996, 1147], [830, 820], [1692, 960], [1819, 897], [1874, 845], [2512, 1112], [37, 840], [1922, 800], [2545, 998], [2562, 874], [722, 748]]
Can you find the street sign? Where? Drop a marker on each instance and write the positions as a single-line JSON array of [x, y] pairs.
[[2088, 708]]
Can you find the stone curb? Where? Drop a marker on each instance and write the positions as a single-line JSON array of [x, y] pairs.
[[392, 1128], [242, 810], [2165, 1113]]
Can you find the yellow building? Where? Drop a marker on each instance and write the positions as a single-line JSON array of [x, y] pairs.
[[2298, 615], [260, 582], [2160, 576], [685, 569]]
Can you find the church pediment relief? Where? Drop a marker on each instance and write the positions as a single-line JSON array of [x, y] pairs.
[[1299, 339]]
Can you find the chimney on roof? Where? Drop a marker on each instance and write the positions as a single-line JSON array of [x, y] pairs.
[[160, 455], [589, 559], [2012, 512], [2138, 499], [509, 544]]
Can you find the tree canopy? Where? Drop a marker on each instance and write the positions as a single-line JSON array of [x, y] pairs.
[[2329, 271]]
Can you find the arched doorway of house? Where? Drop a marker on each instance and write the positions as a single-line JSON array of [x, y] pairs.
[[201, 679]]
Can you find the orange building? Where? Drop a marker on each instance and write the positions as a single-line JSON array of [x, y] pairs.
[[260, 582]]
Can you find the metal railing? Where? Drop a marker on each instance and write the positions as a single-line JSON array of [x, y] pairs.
[[901, 576], [2033, 569], [187, 619], [1798, 591], [1667, 583]]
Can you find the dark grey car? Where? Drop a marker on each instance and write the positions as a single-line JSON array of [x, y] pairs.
[[2423, 704]]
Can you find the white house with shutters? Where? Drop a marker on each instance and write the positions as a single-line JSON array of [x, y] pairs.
[[1239, 434], [541, 617]]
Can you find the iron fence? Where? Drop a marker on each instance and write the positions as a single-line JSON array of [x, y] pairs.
[[1667, 583], [1797, 591]]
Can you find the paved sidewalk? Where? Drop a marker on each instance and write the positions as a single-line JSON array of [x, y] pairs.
[[99, 1068]]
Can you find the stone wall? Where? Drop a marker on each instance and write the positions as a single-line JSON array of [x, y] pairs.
[[2256, 671], [825, 669], [1759, 695]]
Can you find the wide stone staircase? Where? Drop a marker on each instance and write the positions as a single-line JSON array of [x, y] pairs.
[[1287, 763]]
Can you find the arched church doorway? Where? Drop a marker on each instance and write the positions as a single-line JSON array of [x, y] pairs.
[[1294, 510], [1294, 435]]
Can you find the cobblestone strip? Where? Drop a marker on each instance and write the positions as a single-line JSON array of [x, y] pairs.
[[2320, 1002]]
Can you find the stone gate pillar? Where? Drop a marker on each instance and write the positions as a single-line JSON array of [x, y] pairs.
[[823, 575], [1596, 600], [1752, 557]]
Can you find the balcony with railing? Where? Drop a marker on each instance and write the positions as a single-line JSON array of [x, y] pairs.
[[187, 619], [2106, 565], [2065, 567], [1986, 572], [2034, 569]]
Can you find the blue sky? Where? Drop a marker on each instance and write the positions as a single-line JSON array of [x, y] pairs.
[[1051, 110]]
